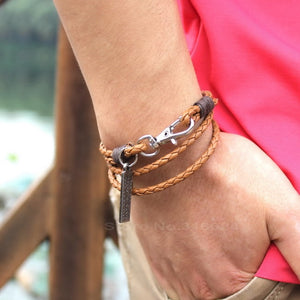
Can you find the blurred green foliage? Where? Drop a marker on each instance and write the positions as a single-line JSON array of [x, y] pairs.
[[28, 30], [12, 157], [34, 20]]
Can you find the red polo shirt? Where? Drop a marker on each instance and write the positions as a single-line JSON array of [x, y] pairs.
[[247, 52]]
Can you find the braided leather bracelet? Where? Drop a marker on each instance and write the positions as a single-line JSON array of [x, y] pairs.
[[161, 161], [127, 155], [178, 178]]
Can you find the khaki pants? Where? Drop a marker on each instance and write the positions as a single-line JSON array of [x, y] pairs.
[[142, 284]]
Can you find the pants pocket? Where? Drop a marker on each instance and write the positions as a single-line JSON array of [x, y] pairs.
[[264, 289]]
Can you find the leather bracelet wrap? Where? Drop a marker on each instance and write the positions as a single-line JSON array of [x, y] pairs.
[[127, 154]]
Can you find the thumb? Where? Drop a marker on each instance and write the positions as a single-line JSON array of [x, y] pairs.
[[284, 231]]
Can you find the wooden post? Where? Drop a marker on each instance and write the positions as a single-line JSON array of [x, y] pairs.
[[80, 189], [24, 227]]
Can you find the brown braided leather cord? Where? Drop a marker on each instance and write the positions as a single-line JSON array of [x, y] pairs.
[[193, 112], [163, 160], [178, 178], [173, 154]]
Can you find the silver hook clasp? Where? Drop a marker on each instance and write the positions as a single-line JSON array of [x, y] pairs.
[[167, 135]]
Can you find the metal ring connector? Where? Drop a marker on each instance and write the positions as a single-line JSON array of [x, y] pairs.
[[152, 143], [119, 157]]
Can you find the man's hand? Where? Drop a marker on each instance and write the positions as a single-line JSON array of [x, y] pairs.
[[206, 237]]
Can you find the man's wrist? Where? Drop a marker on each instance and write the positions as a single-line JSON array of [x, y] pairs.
[[189, 127]]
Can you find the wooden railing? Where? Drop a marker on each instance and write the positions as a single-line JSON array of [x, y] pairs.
[[69, 206]]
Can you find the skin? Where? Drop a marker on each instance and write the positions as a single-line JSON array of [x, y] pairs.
[[220, 221]]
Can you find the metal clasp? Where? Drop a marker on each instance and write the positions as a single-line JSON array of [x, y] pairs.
[[167, 135], [152, 143]]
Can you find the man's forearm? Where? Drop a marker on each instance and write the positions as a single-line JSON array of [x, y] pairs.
[[134, 59]]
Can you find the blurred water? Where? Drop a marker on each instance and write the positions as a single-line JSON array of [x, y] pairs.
[[26, 152]]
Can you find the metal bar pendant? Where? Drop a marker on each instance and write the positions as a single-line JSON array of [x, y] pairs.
[[126, 190]]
